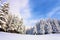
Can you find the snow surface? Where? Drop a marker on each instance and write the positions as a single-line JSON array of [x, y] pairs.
[[13, 36]]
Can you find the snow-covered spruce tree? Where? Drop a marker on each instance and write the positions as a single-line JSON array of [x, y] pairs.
[[8, 22], [48, 27], [56, 28], [15, 25], [3, 16], [34, 30]]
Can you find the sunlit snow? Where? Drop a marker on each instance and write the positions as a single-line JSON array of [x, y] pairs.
[[12, 36]]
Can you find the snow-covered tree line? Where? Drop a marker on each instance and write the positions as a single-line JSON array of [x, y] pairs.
[[47, 26], [9, 22]]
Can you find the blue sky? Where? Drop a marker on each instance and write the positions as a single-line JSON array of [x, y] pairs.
[[43, 7], [33, 10]]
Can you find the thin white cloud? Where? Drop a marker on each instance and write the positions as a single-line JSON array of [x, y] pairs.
[[54, 11], [25, 10], [14, 7]]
